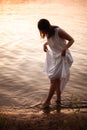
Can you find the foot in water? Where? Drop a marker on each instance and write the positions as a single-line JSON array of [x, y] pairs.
[[45, 105], [58, 102]]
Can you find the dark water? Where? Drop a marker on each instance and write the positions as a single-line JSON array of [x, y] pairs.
[[23, 81]]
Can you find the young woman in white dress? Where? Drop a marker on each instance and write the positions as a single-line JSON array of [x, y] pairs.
[[58, 58]]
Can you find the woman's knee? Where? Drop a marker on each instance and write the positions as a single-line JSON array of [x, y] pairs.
[[57, 82], [53, 81]]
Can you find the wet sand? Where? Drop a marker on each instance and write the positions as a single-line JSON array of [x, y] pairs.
[[23, 83]]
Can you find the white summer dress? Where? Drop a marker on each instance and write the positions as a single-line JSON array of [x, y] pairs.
[[58, 66]]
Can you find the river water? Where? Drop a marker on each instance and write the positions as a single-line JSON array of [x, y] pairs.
[[23, 82]]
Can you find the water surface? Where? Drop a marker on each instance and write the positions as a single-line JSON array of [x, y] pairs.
[[23, 81]]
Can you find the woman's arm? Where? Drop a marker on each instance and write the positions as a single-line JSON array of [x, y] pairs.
[[67, 37]]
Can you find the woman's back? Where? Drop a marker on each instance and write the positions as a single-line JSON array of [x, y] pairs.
[[55, 42]]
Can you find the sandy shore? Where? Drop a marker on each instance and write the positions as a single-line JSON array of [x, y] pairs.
[[48, 119], [22, 80]]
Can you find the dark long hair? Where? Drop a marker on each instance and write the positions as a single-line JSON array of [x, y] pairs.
[[46, 28]]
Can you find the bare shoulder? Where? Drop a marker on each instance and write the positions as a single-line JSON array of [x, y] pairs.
[[63, 34]]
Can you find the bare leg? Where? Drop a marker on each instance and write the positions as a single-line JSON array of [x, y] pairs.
[[51, 92], [58, 92]]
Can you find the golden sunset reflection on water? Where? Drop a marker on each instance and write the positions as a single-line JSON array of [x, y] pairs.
[[23, 81]]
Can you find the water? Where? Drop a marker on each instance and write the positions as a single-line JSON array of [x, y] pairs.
[[23, 82]]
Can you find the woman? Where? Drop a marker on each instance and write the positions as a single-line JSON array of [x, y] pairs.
[[58, 58]]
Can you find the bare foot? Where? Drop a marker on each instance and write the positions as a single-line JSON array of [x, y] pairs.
[[45, 105], [58, 102]]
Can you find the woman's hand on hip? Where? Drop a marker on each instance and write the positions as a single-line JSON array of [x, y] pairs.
[[63, 53]]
